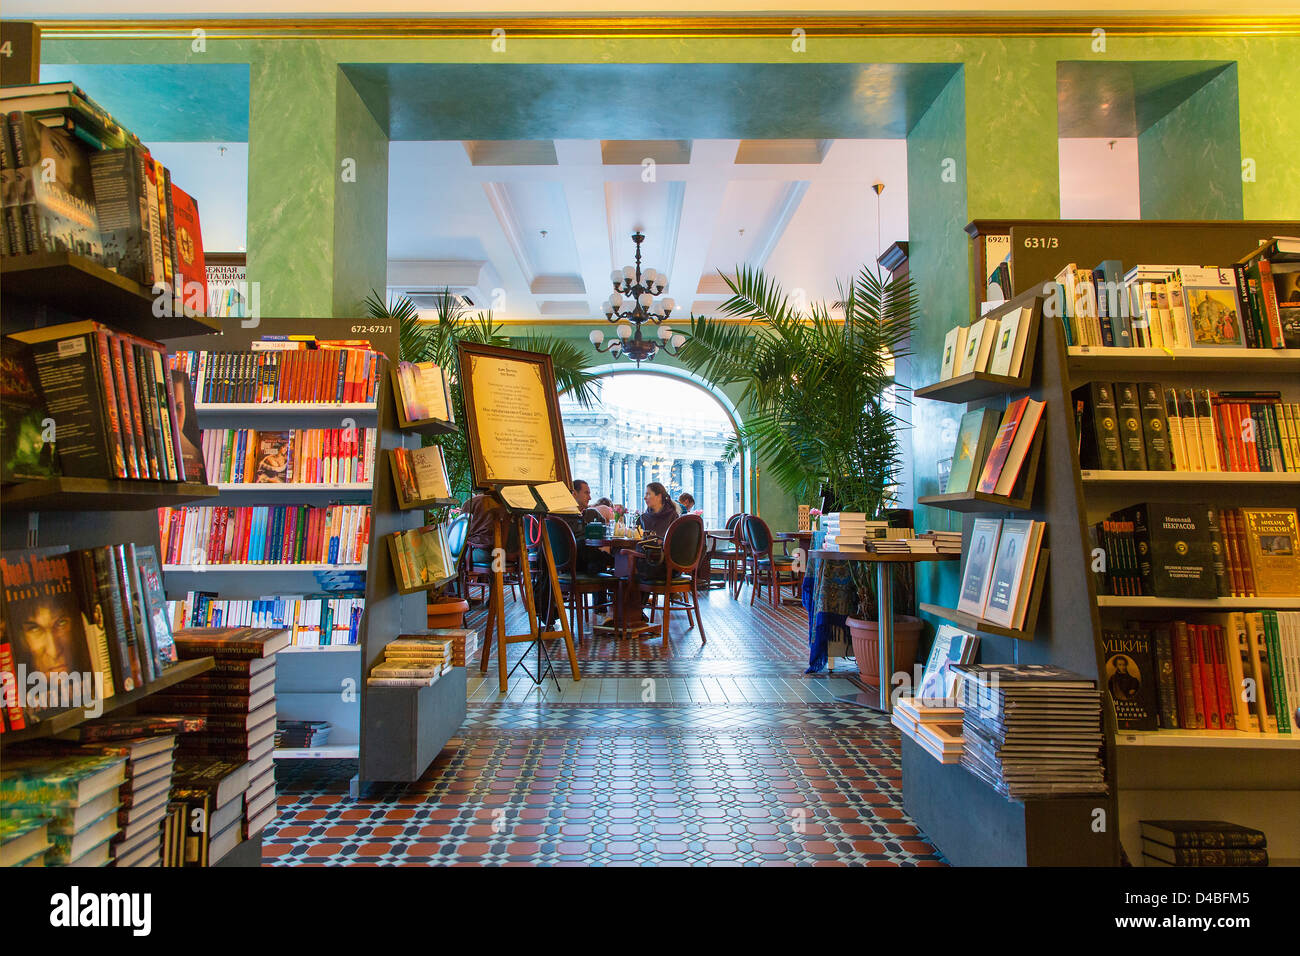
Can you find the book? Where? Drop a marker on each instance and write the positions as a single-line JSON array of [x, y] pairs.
[[1012, 337], [1271, 540], [237, 642], [57, 198], [977, 574], [954, 347], [1175, 550], [1097, 423], [975, 437], [117, 177], [58, 781], [1201, 834], [1156, 854], [1132, 443], [1012, 471], [23, 837], [951, 645], [1131, 678], [979, 346], [423, 392], [191, 278], [27, 448], [1157, 449], [1211, 312], [1013, 572]]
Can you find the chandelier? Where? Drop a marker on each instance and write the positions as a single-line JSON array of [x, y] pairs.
[[631, 304]]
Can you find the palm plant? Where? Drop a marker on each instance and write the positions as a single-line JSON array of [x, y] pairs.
[[812, 386], [434, 340]]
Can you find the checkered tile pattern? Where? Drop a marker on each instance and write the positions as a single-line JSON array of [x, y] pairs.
[[547, 783]]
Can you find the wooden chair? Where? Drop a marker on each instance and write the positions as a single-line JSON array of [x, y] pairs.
[[683, 551], [480, 564], [577, 586], [766, 566], [731, 552]]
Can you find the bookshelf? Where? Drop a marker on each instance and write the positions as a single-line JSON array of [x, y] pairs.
[[329, 682], [1250, 779], [102, 494]]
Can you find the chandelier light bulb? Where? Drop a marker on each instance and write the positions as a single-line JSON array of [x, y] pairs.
[[648, 277], [669, 305], [625, 331], [596, 336], [616, 277], [679, 340], [629, 273], [661, 283], [609, 310], [615, 300], [665, 333], [646, 300]]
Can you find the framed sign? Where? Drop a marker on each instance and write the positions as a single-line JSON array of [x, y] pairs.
[[512, 417]]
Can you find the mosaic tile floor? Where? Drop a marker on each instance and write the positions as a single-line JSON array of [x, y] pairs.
[[720, 755]]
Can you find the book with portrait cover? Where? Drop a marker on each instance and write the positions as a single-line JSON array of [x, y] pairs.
[[274, 458], [1271, 542], [977, 574], [27, 447], [57, 202], [1130, 678]]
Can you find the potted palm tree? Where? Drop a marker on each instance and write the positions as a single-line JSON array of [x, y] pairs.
[[432, 338], [814, 396]]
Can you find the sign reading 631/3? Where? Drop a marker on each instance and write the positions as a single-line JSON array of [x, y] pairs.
[[1042, 242]]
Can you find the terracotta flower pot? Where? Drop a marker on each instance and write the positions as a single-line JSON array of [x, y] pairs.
[[448, 613], [866, 645]]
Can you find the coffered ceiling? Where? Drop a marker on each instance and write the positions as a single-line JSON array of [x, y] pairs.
[[533, 228]]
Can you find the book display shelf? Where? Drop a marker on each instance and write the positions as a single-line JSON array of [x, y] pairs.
[[1248, 778], [394, 732]]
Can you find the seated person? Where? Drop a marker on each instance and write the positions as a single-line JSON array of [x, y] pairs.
[[605, 508], [589, 560], [654, 521], [484, 512], [686, 503]]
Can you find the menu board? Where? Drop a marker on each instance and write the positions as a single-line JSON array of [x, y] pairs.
[[513, 417]]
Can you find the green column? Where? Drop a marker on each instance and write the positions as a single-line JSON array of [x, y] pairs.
[[317, 243], [1189, 160]]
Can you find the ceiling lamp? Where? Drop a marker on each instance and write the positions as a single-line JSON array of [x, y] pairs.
[[631, 304]]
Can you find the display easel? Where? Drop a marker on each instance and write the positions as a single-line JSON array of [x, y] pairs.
[[516, 441], [535, 635]]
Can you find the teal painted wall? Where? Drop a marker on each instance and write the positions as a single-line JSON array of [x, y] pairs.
[[361, 203], [1189, 162]]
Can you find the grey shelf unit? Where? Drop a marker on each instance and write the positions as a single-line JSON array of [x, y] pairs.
[[331, 685], [1243, 783]]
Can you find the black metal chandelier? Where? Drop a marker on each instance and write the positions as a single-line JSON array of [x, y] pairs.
[[630, 305]]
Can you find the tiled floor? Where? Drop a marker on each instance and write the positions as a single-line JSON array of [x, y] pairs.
[[721, 754]]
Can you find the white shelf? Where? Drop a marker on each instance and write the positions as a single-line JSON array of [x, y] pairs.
[[284, 407], [264, 567], [1190, 477], [1083, 357], [1223, 603], [327, 752], [277, 488], [323, 649], [1224, 739]]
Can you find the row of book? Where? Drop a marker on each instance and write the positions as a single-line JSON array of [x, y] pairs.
[[1254, 303], [423, 392], [1145, 426], [1232, 671], [298, 456], [993, 448], [341, 371], [318, 621], [412, 661], [1195, 550], [265, 534], [420, 474], [1001, 563], [302, 734], [1030, 730], [422, 557], [993, 345], [97, 404], [76, 182], [1210, 843], [79, 627]]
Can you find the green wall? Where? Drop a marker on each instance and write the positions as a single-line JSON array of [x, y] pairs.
[[315, 245]]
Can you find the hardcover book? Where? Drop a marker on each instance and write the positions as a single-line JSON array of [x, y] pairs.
[[975, 438], [1009, 347], [978, 573], [1013, 572], [954, 347], [1155, 427], [1132, 444], [192, 280], [1130, 675], [1271, 541], [1174, 549], [27, 447], [58, 199], [979, 345], [1209, 303], [1098, 423]]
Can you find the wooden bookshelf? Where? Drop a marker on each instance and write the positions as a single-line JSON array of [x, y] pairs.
[[978, 625], [249, 568], [1202, 740], [101, 494], [1200, 604], [293, 487], [419, 426], [80, 286], [281, 408], [971, 387], [1194, 478], [65, 720], [969, 502], [1123, 362]]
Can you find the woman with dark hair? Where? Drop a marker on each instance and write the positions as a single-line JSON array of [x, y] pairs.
[[660, 511], [654, 521]]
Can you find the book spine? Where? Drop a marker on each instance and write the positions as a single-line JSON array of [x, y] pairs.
[[1276, 669], [1166, 684], [1190, 716], [1247, 306], [1222, 681], [69, 379], [103, 352], [1203, 678], [1268, 293]]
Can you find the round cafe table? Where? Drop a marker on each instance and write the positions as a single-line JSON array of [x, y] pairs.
[[626, 618]]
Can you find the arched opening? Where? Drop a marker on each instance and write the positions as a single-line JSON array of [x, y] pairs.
[[651, 425]]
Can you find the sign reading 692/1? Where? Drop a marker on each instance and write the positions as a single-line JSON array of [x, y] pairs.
[[1042, 242]]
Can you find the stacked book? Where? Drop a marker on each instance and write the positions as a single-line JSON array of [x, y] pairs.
[[212, 795], [1031, 730], [76, 794], [412, 662], [850, 530], [933, 725], [24, 840], [464, 642], [143, 797], [889, 545], [296, 734], [1201, 843], [940, 542], [238, 698]]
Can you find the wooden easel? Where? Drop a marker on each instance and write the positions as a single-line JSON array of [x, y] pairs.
[[497, 612]]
